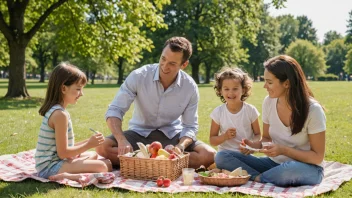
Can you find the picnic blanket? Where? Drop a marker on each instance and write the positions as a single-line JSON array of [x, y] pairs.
[[20, 166]]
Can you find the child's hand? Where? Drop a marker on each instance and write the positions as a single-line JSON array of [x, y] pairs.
[[243, 150], [96, 140], [230, 133]]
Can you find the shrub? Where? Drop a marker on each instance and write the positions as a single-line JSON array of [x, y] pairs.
[[328, 77]]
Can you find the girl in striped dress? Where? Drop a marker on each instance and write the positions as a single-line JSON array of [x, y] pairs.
[[57, 155]]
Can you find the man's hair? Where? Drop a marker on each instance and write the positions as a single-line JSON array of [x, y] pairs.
[[180, 44]]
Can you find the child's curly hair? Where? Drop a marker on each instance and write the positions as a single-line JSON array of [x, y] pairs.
[[233, 73]]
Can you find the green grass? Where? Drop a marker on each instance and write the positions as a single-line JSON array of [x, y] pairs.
[[21, 117]]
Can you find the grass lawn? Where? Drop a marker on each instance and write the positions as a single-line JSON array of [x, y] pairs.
[[21, 117]]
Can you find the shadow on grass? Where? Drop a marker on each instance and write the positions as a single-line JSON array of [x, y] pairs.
[[14, 103], [29, 187], [205, 85], [26, 188], [45, 85]]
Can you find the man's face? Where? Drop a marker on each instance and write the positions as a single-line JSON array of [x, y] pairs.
[[170, 64]]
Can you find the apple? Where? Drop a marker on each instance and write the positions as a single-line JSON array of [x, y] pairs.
[[167, 182], [169, 148], [154, 155], [160, 181], [154, 147], [172, 156]]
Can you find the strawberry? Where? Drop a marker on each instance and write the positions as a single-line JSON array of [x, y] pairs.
[[167, 182]]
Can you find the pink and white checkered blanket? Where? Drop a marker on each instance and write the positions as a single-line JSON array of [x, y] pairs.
[[20, 166]]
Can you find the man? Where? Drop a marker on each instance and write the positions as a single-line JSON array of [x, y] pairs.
[[165, 108]]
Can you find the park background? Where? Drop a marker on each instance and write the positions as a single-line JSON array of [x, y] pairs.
[[108, 39]]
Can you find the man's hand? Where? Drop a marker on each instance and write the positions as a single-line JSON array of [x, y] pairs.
[[124, 147]]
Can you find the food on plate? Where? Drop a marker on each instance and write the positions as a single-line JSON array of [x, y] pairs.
[[217, 173], [212, 166]]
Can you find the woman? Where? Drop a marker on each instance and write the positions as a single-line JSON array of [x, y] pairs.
[[293, 122]]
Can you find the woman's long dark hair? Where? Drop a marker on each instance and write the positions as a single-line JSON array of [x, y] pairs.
[[285, 68], [63, 74]]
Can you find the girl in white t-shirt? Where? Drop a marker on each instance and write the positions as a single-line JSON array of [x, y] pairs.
[[235, 119], [294, 124]]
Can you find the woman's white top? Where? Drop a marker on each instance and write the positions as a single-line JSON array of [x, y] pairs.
[[280, 134]]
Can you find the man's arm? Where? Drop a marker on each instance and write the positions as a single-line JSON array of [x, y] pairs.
[[117, 109], [190, 122], [115, 126]]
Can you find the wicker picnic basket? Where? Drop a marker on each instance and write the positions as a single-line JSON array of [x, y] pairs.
[[234, 181], [151, 169]]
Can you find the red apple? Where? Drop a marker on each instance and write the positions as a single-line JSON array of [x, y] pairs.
[[154, 147], [172, 156], [160, 181], [167, 182], [169, 148]]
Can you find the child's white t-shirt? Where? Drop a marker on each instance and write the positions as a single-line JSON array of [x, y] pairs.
[[242, 121], [280, 134]]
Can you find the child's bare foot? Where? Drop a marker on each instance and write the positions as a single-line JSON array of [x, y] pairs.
[[75, 177]]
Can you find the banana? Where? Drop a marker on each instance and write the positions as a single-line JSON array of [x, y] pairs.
[[163, 152], [143, 149]]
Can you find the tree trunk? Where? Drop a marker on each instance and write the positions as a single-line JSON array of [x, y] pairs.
[[42, 71], [42, 63], [93, 77], [195, 70], [207, 73], [17, 71], [55, 56], [87, 74], [121, 70]]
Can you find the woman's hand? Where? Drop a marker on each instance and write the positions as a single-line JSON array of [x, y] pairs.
[[272, 151], [230, 133]]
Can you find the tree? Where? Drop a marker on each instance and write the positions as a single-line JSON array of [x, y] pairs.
[[330, 36], [336, 53], [349, 29], [209, 25], [115, 24], [348, 64], [267, 44], [308, 56], [4, 55], [42, 52], [306, 31], [288, 29]]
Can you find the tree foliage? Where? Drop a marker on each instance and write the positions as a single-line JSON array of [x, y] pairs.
[[348, 64], [349, 29], [289, 30], [266, 45], [214, 27], [91, 28], [330, 36], [310, 57], [336, 53], [306, 31]]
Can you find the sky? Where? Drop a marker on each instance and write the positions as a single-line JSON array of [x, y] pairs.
[[326, 14]]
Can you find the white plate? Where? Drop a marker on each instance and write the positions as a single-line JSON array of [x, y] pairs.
[[249, 148]]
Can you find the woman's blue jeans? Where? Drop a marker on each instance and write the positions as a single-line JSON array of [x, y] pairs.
[[291, 173]]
